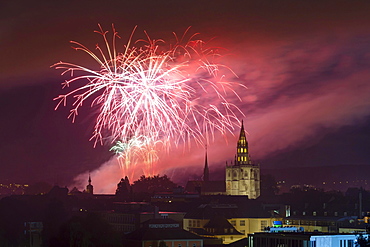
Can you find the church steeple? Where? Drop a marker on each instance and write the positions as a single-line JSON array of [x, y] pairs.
[[206, 170], [242, 148], [243, 178], [89, 187]]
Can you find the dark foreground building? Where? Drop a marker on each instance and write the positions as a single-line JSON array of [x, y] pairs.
[[162, 232]]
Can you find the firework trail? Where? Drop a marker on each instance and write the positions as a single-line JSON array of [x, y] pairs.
[[138, 150], [152, 92]]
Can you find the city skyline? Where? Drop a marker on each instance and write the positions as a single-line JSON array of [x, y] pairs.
[[306, 66]]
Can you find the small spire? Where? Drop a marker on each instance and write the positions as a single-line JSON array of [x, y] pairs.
[[242, 131], [206, 169], [89, 187]]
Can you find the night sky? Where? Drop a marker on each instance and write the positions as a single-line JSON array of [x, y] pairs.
[[306, 65]]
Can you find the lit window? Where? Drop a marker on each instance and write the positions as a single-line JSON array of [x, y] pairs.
[[263, 224]]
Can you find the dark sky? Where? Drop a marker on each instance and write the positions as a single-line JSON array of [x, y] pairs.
[[305, 63]]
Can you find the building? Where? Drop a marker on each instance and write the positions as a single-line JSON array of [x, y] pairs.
[[34, 233], [205, 186], [301, 239], [89, 187], [219, 228], [347, 240], [243, 177], [229, 222], [162, 232]]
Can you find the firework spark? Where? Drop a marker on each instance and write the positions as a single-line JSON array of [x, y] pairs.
[[138, 150], [154, 90]]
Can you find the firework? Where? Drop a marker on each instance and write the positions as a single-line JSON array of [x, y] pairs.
[[137, 151], [152, 92]]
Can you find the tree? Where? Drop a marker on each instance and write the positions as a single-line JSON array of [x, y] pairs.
[[145, 187], [87, 230], [38, 188], [162, 244], [153, 184], [123, 192], [268, 185], [362, 241]]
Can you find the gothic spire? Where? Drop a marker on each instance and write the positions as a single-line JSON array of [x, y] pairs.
[[206, 170], [242, 133], [89, 187], [242, 147]]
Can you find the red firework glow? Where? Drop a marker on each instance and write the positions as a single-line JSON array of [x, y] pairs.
[[152, 95]]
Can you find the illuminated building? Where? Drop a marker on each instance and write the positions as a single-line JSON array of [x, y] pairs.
[[243, 177], [228, 222], [302, 239]]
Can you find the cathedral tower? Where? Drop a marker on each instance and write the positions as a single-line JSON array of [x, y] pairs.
[[243, 177]]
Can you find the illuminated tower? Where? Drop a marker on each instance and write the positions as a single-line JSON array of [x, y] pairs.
[[206, 170], [89, 187], [242, 148], [243, 177]]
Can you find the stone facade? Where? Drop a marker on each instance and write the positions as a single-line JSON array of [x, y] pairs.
[[243, 176]]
